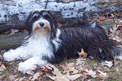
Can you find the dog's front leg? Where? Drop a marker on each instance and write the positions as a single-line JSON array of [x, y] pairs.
[[31, 64], [18, 53]]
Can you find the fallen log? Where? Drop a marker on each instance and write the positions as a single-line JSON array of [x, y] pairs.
[[13, 13], [11, 42]]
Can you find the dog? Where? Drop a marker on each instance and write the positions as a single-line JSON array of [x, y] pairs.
[[47, 43]]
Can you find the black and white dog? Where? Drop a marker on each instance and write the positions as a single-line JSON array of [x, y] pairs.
[[48, 44]]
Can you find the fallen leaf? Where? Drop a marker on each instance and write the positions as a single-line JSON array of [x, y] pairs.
[[21, 79], [12, 77], [102, 75], [85, 75], [2, 51], [69, 68], [79, 62], [116, 21], [81, 68], [115, 33], [112, 15], [30, 72], [115, 61], [40, 77], [117, 69], [82, 53], [99, 21], [89, 80], [48, 66], [1, 68], [2, 76], [74, 77], [59, 76], [115, 37], [101, 18], [1, 58], [91, 73], [13, 31], [113, 30], [35, 76], [107, 63]]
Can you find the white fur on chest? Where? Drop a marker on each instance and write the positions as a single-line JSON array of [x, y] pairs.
[[39, 47]]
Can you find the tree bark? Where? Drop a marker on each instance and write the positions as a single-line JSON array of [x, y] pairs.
[[13, 13]]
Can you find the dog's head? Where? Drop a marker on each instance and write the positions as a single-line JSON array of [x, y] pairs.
[[40, 22]]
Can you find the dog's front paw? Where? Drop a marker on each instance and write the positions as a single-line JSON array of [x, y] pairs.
[[9, 56], [25, 67]]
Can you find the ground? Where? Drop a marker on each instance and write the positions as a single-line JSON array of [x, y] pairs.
[[78, 69]]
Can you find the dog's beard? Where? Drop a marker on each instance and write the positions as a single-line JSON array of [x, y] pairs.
[[41, 31]]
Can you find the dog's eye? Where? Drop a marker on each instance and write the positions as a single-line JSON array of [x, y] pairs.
[[35, 16], [45, 14]]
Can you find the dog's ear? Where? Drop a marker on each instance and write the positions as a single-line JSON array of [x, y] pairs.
[[27, 22], [54, 26]]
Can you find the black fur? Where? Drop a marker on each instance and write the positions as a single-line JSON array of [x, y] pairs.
[[94, 41]]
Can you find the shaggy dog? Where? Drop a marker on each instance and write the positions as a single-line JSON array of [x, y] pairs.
[[48, 44]]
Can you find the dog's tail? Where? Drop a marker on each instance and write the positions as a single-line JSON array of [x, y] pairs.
[[104, 50]]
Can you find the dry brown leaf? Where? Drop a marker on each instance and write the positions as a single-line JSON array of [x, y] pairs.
[[99, 22], [101, 18], [35, 76], [107, 63], [112, 15], [79, 62], [30, 72], [102, 75], [91, 73], [117, 69], [1, 58], [95, 19], [13, 31], [89, 80], [48, 66], [115, 33], [12, 77], [2, 51], [1, 69], [115, 61], [74, 77], [82, 53], [85, 75], [2, 76], [69, 67], [40, 77], [116, 21], [21, 79], [59, 76], [115, 37], [113, 30]]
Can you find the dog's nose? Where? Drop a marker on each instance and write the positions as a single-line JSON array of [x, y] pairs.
[[41, 24]]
